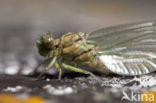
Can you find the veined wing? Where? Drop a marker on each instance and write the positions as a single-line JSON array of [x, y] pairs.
[[127, 49]]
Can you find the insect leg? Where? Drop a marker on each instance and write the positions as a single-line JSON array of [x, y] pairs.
[[59, 70], [45, 61], [48, 67], [69, 67]]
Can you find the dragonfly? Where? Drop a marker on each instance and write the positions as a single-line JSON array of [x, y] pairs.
[[127, 49]]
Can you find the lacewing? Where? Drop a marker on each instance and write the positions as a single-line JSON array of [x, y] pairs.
[[128, 49]]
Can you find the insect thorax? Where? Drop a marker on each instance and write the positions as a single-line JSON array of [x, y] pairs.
[[75, 49]]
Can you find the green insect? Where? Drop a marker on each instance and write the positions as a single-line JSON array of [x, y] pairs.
[[128, 49]]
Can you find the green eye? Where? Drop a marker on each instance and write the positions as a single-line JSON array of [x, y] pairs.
[[38, 42], [45, 44], [47, 37]]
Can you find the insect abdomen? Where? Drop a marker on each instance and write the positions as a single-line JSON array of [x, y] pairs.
[[98, 65]]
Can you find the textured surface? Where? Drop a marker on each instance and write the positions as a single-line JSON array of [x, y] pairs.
[[77, 89], [21, 23]]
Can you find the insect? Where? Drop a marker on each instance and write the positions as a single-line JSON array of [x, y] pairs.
[[128, 49]]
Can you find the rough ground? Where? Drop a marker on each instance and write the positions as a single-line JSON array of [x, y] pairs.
[[76, 88], [22, 22]]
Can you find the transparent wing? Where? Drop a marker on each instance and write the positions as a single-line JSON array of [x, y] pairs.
[[127, 49]]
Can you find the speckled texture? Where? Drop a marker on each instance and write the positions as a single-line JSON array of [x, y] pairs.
[[77, 89], [21, 23]]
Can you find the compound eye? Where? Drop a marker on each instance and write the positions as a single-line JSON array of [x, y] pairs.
[[47, 38]]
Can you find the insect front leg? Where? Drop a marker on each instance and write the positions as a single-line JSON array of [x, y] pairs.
[[59, 70], [69, 67], [45, 61], [48, 67]]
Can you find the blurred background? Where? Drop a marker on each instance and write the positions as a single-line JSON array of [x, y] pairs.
[[23, 21]]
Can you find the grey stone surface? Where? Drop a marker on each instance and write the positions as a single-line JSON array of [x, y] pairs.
[[22, 22]]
